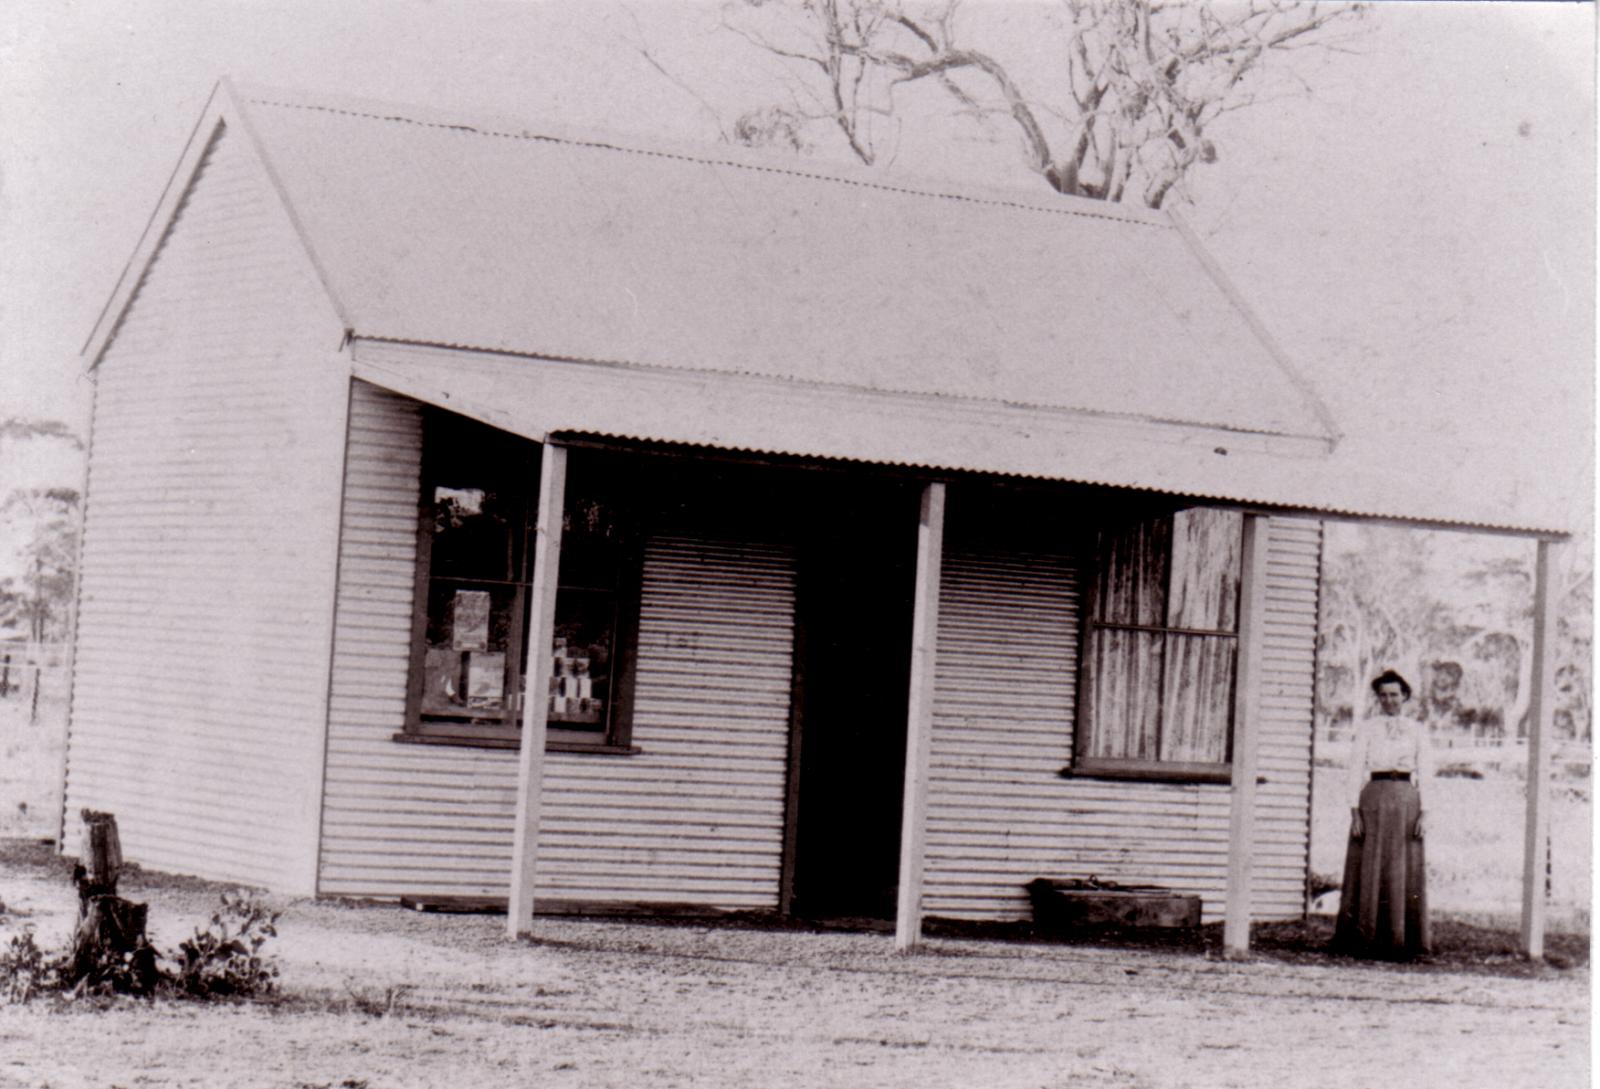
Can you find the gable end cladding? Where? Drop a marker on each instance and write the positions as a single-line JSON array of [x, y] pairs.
[[210, 539]]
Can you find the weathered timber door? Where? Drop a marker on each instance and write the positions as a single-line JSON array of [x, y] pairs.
[[857, 562]]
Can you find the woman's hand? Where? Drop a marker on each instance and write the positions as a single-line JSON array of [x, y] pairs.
[[1416, 829], [1357, 827]]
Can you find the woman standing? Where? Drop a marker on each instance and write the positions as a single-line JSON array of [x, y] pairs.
[[1383, 905]]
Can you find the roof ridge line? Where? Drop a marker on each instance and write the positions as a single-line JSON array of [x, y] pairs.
[[602, 145]]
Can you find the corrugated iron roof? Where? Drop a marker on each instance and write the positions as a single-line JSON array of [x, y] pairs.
[[553, 283], [509, 239]]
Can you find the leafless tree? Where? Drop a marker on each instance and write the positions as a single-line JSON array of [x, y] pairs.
[[1125, 115]]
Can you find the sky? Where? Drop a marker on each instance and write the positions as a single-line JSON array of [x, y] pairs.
[[1416, 228]]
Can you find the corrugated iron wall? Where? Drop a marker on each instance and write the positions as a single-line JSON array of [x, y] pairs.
[[209, 547], [694, 817], [999, 812]]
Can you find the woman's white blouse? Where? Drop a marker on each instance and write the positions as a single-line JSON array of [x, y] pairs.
[[1389, 743]]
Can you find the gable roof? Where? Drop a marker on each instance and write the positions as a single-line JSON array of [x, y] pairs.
[[735, 267], [495, 236]]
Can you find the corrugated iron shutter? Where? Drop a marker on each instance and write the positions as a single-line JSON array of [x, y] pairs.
[[209, 547], [697, 815], [999, 812], [694, 817]]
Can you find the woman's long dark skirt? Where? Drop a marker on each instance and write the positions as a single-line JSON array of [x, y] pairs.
[[1383, 904]]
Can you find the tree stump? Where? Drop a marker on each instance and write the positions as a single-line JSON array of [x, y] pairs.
[[109, 948], [100, 862]]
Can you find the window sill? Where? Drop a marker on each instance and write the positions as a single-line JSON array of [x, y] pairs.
[[1152, 772], [512, 743], [601, 750]]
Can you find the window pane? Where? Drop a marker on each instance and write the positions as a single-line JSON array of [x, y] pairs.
[[593, 538], [478, 489], [1125, 694], [1199, 698], [470, 628], [597, 531], [1130, 587], [1206, 546], [580, 681]]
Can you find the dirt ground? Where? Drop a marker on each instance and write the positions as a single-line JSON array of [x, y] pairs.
[[379, 997]]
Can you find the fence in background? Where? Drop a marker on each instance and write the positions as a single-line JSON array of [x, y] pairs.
[[34, 679], [1464, 755]]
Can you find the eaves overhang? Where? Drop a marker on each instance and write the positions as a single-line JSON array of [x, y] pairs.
[[547, 399]]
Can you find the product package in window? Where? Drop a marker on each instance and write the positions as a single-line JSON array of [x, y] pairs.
[[441, 684], [469, 620], [576, 693], [485, 679]]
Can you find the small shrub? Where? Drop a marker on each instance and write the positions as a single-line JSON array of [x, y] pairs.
[[27, 970], [1459, 771], [224, 959]]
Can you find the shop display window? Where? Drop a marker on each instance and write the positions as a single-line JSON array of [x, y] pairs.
[[475, 563]]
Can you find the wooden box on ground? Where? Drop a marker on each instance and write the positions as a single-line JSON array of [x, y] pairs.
[[1062, 905]]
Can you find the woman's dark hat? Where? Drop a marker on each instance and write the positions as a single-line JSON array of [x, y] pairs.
[[1389, 676]]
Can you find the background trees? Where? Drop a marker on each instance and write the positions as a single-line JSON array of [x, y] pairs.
[[39, 519], [1454, 613], [38, 600]]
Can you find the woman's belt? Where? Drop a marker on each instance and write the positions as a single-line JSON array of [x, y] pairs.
[[1402, 776]]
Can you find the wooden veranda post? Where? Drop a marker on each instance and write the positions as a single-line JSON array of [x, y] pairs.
[[535, 691], [1541, 704], [919, 718], [1246, 701]]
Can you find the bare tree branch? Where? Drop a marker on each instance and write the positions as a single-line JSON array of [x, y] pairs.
[[1138, 84], [644, 51]]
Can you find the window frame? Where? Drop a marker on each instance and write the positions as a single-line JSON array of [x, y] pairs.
[[1086, 765], [617, 736]]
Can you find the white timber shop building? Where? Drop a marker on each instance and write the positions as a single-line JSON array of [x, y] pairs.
[[865, 549]]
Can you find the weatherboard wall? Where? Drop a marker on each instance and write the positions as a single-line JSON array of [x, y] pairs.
[[1001, 813], [694, 817], [209, 545]]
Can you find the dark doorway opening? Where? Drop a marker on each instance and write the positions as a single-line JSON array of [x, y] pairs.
[[857, 569]]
